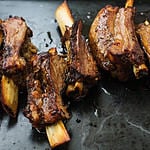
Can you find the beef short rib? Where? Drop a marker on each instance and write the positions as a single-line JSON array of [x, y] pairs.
[[45, 84], [143, 30], [114, 44], [82, 69]]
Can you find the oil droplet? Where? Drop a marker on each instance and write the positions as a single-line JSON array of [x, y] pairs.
[[105, 91], [88, 17], [97, 112]]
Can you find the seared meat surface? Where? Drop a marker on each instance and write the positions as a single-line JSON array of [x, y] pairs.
[[16, 35], [1, 36], [16, 51], [143, 30], [16, 48], [82, 69], [114, 44], [14, 31], [1, 52], [45, 84]]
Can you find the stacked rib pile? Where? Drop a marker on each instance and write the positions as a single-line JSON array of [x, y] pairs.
[[49, 77]]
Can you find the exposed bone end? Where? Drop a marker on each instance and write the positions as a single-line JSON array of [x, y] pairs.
[[146, 22], [129, 3], [57, 134], [140, 70], [73, 88], [64, 16], [9, 91]]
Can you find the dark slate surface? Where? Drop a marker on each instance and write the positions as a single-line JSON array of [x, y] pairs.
[[114, 115]]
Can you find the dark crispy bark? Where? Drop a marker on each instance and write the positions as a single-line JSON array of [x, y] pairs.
[[14, 31], [82, 70], [1, 48], [44, 87], [16, 49], [114, 43], [16, 44], [143, 30], [1, 36]]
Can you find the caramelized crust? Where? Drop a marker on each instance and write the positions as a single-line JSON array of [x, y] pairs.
[[16, 51], [101, 35], [114, 43], [14, 32], [82, 69], [143, 30], [80, 57], [44, 85]]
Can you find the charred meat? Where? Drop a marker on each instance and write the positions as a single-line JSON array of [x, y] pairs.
[[143, 30], [16, 44], [1, 36], [1, 49], [44, 86], [114, 43], [16, 48], [82, 69]]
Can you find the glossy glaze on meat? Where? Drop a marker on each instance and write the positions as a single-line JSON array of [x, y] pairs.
[[16, 49], [82, 69], [114, 43], [143, 30], [45, 84], [14, 31], [16, 37]]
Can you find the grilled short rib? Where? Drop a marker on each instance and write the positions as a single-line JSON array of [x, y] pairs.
[[16, 51], [45, 84], [17, 47], [1, 49], [114, 44], [143, 30], [82, 69]]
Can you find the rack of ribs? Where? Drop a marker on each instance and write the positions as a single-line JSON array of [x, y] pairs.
[[16, 52]]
